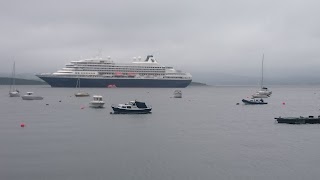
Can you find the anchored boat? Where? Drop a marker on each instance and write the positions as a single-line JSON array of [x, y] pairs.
[[254, 101], [299, 120], [264, 91], [177, 94], [97, 102], [133, 107], [80, 94], [13, 92], [31, 96]]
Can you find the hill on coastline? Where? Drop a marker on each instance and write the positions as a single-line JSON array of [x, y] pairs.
[[197, 84], [19, 81]]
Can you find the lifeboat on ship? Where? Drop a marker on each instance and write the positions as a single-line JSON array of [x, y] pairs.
[[118, 74]]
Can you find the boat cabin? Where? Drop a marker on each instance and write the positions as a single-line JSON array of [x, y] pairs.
[[125, 106], [133, 104], [97, 98]]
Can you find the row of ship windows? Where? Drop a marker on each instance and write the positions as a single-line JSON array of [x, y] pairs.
[[87, 73], [132, 67], [177, 74], [119, 69], [126, 71], [147, 75]]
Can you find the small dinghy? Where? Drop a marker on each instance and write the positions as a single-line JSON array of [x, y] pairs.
[[254, 101], [31, 96], [177, 94], [133, 107], [97, 102]]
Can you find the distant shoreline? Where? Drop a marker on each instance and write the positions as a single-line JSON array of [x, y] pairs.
[[197, 84], [19, 81]]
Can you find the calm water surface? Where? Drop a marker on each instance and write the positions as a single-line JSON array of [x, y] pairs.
[[204, 135]]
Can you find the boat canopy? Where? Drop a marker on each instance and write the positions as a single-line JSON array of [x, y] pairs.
[[141, 104]]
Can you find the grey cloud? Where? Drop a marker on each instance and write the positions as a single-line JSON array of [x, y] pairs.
[[199, 36]]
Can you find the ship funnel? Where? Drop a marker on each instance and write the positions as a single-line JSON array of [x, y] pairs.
[[149, 57]]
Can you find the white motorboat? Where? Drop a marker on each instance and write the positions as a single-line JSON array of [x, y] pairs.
[[177, 94], [260, 95], [97, 102], [264, 91], [31, 96], [13, 92]]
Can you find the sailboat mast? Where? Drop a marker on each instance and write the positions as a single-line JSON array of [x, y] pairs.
[[14, 75], [12, 78], [262, 72]]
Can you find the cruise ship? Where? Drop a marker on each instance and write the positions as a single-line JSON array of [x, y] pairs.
[[99, 72]]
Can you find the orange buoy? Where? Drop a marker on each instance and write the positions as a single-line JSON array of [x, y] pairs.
[[22, 125]]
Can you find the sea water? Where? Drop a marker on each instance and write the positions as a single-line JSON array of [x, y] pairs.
[[203, 135]]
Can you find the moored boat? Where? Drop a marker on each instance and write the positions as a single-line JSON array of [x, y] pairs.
[[80, 94], [254, 101], [264, 91], [299, 120], [133, 107], [97, 102], [177, 94], [31, 96], [13, 92], [260, 95]]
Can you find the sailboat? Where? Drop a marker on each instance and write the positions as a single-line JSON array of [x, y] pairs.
[[263, 92], [80, 94], [13, 92]]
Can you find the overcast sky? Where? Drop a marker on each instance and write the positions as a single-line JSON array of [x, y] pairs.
[[226, 36]]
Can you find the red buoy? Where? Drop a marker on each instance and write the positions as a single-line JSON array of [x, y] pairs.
[[22, 125], [283, 103]]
